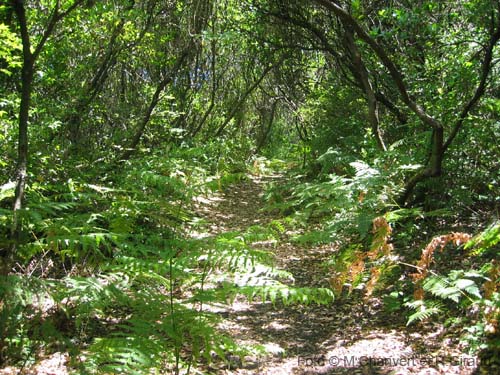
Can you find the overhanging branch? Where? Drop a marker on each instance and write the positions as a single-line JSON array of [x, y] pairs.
[[394, 71]]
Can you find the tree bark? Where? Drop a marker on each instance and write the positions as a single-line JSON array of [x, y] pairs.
[[27, 72], [155, 99], [364, 78]]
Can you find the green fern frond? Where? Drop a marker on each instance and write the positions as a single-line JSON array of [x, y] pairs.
[[455, 286], [276, 291], [486, 240], [423, 310], [125, 355]]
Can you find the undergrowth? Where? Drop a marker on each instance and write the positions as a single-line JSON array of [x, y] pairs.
[[106, 271], [412, 258]]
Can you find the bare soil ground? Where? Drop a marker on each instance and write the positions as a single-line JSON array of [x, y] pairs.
[[349, 336]]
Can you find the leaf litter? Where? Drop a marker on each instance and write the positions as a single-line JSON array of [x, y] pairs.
[[352, 335]]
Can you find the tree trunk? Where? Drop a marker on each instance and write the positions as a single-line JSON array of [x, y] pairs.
[[244, 97], [215, 84], [29, 59], [22, 147], [266, 128], [155, 99], [24, 109], [364, 79], [433, 168]]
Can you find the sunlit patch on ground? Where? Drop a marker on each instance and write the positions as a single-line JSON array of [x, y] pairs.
[[54, 364], [342, 338]]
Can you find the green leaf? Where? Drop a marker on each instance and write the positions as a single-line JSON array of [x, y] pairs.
[[7, 190]]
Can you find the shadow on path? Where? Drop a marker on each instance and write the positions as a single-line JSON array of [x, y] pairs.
[[349, 336]]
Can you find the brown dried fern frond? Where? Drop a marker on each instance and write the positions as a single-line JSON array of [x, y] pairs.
[[418, 294], [437, 243], [492, 313], [372, 283], [357, 267], [381, 236], [491, 286]]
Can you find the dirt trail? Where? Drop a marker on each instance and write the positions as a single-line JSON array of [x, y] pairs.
[[345, 337]]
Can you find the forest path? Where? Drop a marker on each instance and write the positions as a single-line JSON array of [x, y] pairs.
[[348, 336]]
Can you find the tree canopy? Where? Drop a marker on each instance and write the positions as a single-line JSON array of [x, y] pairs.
[[382, 119]]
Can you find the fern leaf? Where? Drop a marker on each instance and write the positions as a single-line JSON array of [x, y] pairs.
[[424, 310]]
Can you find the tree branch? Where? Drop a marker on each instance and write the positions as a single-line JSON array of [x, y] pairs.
[[394, 71], [481, 88], [53, 20], [364, 79], [245, 95], [155, 99]]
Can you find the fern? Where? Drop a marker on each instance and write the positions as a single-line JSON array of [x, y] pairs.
[[486, 240], [437, 243], [313, 237], [276, 292], [423, 310], [139, 302], [130, 354], [456, 285], [464, 289]]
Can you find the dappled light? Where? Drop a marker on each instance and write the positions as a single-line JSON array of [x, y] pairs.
[[262, 187]]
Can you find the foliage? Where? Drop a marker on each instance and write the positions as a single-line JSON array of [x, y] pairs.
[[123, 284], [350, 201], [9, 45], [424, 310], [381, 118], [470, 290]]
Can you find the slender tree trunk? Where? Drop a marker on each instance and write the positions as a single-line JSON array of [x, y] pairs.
[[29, 58], [155, 99], [24, 109], [363, 77], [22, 147], [244, 97], [266, 128], [213, 65]]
